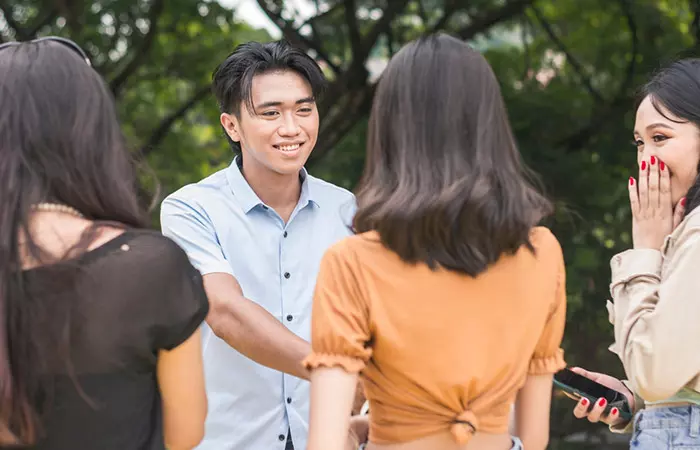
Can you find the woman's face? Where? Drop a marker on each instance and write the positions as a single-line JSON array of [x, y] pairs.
[[677, 145]]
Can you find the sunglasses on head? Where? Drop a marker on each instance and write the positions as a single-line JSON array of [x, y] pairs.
[[63, 41]]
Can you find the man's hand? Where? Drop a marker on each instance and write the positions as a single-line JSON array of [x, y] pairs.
[[251, 329], [359, 397], [359, 432]]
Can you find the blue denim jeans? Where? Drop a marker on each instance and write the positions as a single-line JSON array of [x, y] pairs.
[[517, 444], [670, 428]]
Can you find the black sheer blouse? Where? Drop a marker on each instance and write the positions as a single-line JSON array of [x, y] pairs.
[[119, 306]]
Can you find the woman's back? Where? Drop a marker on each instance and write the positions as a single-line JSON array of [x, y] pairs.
[[105, 317], [443, 350]]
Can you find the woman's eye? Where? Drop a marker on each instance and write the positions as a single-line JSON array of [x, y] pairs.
[[305, 110], [659, 138], [269, 113], [637, 142]]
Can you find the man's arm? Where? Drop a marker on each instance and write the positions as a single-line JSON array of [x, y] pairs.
[[252, 330], [243, 324]]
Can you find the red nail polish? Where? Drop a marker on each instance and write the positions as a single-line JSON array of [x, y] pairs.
[[631, 181], [613, 411], [602, 402], [662, 166], [584, 401], [644, 165], [683, 200], [653, 160]]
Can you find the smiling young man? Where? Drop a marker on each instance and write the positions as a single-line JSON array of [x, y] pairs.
[[256, 231]]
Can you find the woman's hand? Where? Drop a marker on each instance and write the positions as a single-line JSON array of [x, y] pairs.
[[583, 407], [653, 215]]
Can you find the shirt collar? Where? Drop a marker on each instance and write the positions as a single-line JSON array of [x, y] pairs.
[[249, 199]]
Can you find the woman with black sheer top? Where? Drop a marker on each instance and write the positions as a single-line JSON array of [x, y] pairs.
[[99, 317]]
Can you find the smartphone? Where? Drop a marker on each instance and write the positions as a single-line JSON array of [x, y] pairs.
[[579, 386]]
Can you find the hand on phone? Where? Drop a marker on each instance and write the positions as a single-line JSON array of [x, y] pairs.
[[595, 413]]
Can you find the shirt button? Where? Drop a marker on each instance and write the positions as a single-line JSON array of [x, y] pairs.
[[281, 437], [289, 399], [289, 318], [285, 234], [287, 275]]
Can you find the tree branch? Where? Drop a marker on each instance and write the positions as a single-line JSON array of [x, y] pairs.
[[295, 38], [422, 13], [450, 9], [353, 29], [141, 52], [321, 16], [20, 33], [570, 58], [695, 25], [491, 18], [601, 114], [166, 124], [48, 18], [389, 14], [356, 105]]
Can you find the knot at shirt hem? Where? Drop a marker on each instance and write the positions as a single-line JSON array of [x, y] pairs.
[[464, 426]]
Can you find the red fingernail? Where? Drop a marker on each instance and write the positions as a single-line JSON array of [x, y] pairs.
[[662, 165], [613, 411], [631, 181], [584, 402], [601, 402], [653, 160], [644, 165], [683, 202]]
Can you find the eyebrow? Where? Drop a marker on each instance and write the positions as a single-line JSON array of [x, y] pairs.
[[277, 103], [656, 125]]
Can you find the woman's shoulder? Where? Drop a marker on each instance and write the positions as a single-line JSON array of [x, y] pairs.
[[543, 239], [547, 248], [357, 244], [137, 249]]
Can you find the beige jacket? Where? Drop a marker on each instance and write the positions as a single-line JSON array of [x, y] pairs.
[[656, 313]]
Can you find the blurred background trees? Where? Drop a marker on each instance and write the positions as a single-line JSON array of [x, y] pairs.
[[569, 70]]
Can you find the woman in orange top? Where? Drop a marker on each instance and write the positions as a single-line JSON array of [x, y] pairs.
[[449, 300]]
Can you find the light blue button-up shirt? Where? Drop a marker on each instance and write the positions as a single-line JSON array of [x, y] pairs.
[[224, 227]]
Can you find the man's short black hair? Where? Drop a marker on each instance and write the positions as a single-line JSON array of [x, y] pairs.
[[232, 80]]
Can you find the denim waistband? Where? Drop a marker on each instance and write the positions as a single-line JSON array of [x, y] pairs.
[[517, 444], [686, 417]]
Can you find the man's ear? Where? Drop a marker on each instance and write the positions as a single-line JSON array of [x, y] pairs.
[[231, 125]]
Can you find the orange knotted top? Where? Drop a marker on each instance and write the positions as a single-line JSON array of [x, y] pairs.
[[464, 427], [438, 349]]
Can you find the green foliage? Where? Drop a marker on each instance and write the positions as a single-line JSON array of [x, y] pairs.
[[569, 70]]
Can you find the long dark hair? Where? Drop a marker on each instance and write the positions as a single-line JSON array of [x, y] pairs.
[[443, 181], [676, 89], [61, 142]]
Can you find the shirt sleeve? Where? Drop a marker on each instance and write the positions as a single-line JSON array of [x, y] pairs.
[[340, 330], [548, 356], [656, 319], [182, 305], [190, 227]]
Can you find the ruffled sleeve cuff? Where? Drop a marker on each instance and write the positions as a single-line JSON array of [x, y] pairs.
[[635, 263], [347, 363], [548, 364]]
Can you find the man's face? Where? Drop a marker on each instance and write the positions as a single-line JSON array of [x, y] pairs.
[[279, 135]]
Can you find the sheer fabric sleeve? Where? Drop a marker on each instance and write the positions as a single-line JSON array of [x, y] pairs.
[[340, 330], [182, 302], [548, 356]]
